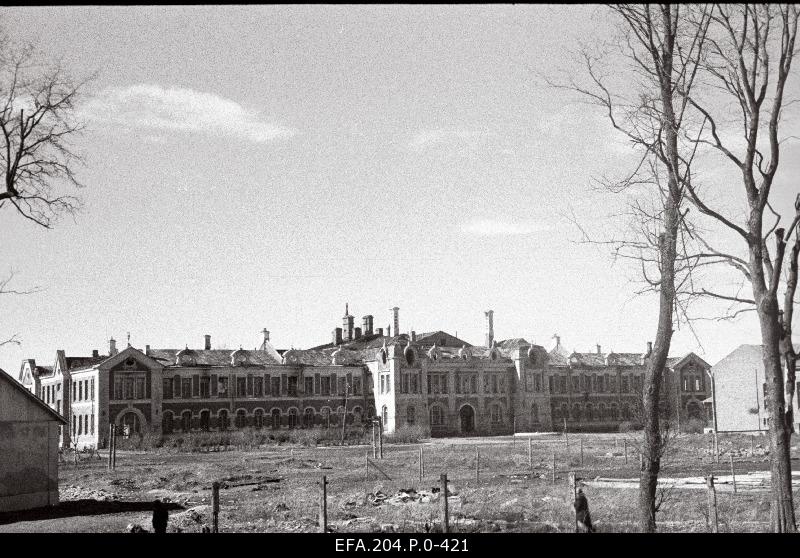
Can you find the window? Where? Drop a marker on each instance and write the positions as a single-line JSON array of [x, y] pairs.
[[497, 414], [383, 384], [167, 421], [166, 388], [241, 418], [411, 415], [388, 383], [258, 386], [258, 418], [358, 415], [139, 388], [612, 384], [534, 413], [292, 418], [130, 424], [309, 385], [385, 415], [74, 424], [205, 420], [485, 383], [494, 383], [356, 386], [223, 419], [436, 416], [589, 412], [474, 384], [222, 387], [275, 418], [80, 393], [404, 383], [551, 385], [326, 416], [576, 383], [414, 384], [205, 387], [625, 384], [128, 388], [325, 385], [241, 386], [186, 421], [576, 412], [118, 388], [601, 412], [614, 412], [186, 388], [501, 384], [308, 417]]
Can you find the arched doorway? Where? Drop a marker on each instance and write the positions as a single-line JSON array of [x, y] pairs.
[[467, 417]]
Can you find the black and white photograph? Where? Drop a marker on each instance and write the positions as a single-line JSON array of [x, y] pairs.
[[412, 277]]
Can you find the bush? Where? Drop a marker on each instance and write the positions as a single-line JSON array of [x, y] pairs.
[[408, 435], [629, 426], [694, 426]]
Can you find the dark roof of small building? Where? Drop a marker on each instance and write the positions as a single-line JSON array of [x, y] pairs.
[[431, 337], [18, 386]]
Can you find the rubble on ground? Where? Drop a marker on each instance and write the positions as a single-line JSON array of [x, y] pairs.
[[74, 492]]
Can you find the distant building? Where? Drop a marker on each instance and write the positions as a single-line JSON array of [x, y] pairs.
[[740, 392], [28, 448], [432, 380]]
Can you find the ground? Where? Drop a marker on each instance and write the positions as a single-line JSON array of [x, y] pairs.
[[277, 488]]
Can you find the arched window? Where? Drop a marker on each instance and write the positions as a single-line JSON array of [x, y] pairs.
[[626, 411], [223, 419], [205, 420], [241, 418], [258, 418], [411, 415], [340, 414], [292, 418], [576, 412], [589, 412], [186, 421], [564, 411], [385, 415], [497, 414], [326, 416], [308, 417], [167, 423], [614, 411], [130, 424], [436, 415], [358, 415], [601, 412], [276, 418], [534, 413]]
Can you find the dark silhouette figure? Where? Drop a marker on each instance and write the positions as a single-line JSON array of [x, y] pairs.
[[582, 511], [160, 517]]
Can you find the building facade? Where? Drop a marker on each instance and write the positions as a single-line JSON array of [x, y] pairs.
[[434, 380]]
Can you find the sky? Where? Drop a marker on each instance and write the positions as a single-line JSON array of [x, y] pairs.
[[261, 166]]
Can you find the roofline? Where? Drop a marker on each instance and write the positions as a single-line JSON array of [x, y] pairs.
[[33, 397]]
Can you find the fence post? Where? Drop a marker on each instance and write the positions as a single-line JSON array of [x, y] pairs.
[[215, 505], [380, 440], [712, 504], [323, 508], [421, 466], [566, 435], [581, 452], [625, 443], [572, 483], [752, 446], [113, 447], [554, 468], [445, 511], [374, 441], [530, 454], [733, 474], [366, 467], [477, 465], [110, 434]]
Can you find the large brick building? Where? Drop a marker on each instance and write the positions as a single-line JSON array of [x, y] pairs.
[[433, 380]]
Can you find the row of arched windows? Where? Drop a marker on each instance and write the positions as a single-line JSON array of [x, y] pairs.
[[187, 421], [592, 412]]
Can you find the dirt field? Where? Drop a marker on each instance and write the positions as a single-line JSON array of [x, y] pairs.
[[277, 488]]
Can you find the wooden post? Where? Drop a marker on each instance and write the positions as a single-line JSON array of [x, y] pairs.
[[215, 506], [554, 468], [113, 447], [366, 466], [752, 446], [374, 441], [716, 447], [110, 435], [445, 511], [421, 465], [572, 483], [380, 440], [323, 505], [477, 465], [566, 436], [530, 454], [625, 443], [712, 504], [581, 452], [733, 474]]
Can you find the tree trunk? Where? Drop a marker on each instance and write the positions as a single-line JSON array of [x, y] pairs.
[[782, 509]]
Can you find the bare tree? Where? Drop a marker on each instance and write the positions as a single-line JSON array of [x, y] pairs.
[[660, 51], [750, 49], [37, 123]]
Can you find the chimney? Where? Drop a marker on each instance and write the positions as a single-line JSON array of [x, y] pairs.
[[389, 330], [396, 320], [337, 336], [379, 331], [347, 323], [598, 349], [265, 331], [112, 347], [95, 353], [208, 342], [357, 333], [489, 327], [367, 324], [147, 349], [413, 335]]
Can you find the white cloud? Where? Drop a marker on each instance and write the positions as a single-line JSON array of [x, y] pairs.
[[428, 138], [496, 227], [155, 108]]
